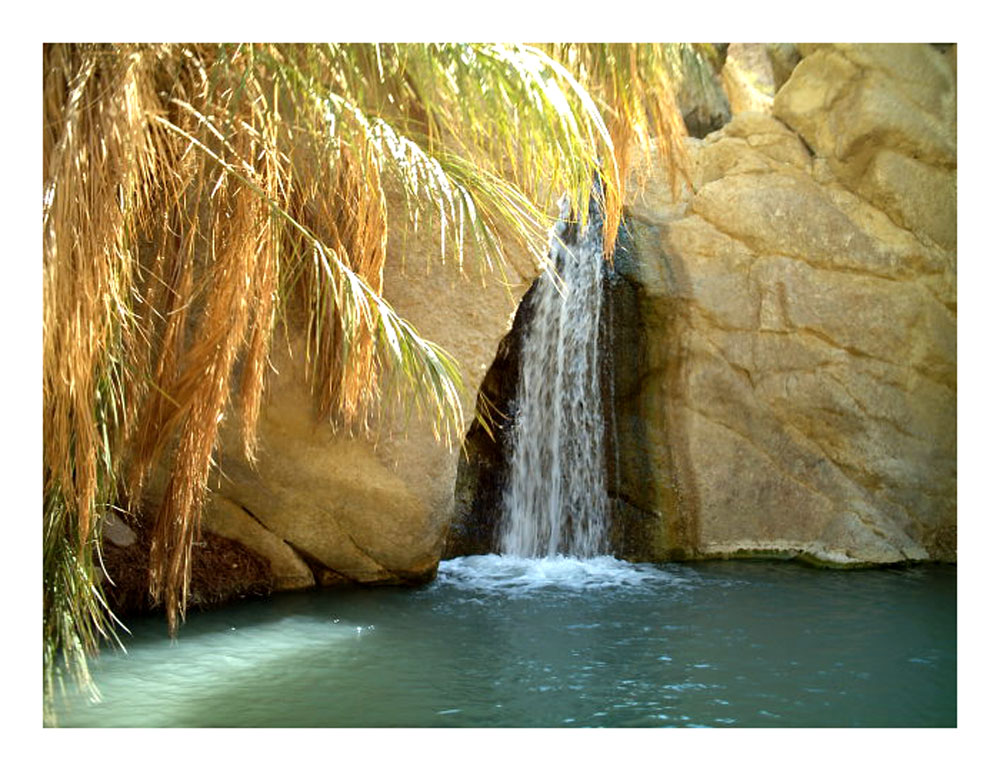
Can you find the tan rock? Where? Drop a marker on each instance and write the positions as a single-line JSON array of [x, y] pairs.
[[225, 518], [801, 324], [790, 214], [883, 120], [371, 509], [920, 197], [116, 531], [748, 78], [867, 316], [751, 143], [773, 513], [921, 73], [332, 500], [807, 101]]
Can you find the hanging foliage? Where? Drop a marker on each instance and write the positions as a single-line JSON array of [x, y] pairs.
[[195, 195]]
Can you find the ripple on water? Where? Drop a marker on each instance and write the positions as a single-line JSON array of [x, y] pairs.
[[509, 642]]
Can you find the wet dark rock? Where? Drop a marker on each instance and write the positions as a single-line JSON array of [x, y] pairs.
[[635, 526], [221, 570], [483, 465], [701, 98]]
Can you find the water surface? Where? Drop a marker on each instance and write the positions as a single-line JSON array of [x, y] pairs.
[[555, 642]]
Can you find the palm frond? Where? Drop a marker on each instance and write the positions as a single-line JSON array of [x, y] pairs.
[[197, 197]]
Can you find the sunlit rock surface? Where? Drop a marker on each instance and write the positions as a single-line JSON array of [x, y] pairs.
[[799, 305], [753, 72], [356, 509]]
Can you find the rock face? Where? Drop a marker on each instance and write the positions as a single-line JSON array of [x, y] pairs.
[[754, 72], [799, 305]]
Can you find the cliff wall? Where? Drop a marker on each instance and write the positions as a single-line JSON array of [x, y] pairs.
[[799, 306]]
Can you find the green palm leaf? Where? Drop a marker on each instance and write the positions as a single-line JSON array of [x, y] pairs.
[[197, 197]]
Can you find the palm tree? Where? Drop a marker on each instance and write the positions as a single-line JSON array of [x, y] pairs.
[[197, 197]]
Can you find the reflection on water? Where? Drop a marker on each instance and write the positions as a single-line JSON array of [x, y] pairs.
[[557, 642]]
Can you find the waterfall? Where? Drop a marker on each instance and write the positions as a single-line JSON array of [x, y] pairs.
[[556, 501]]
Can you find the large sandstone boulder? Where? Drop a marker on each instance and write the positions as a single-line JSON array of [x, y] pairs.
[[327, 507], [883, 119], [800, 319]]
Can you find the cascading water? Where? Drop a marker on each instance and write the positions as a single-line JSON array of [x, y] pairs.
[[556, 499]]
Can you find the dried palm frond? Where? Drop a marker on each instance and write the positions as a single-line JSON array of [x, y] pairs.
[[634, 84], [195, 195], [97, 164]]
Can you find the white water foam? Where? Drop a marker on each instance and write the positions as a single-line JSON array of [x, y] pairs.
[[555, 502], [505, 574]]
